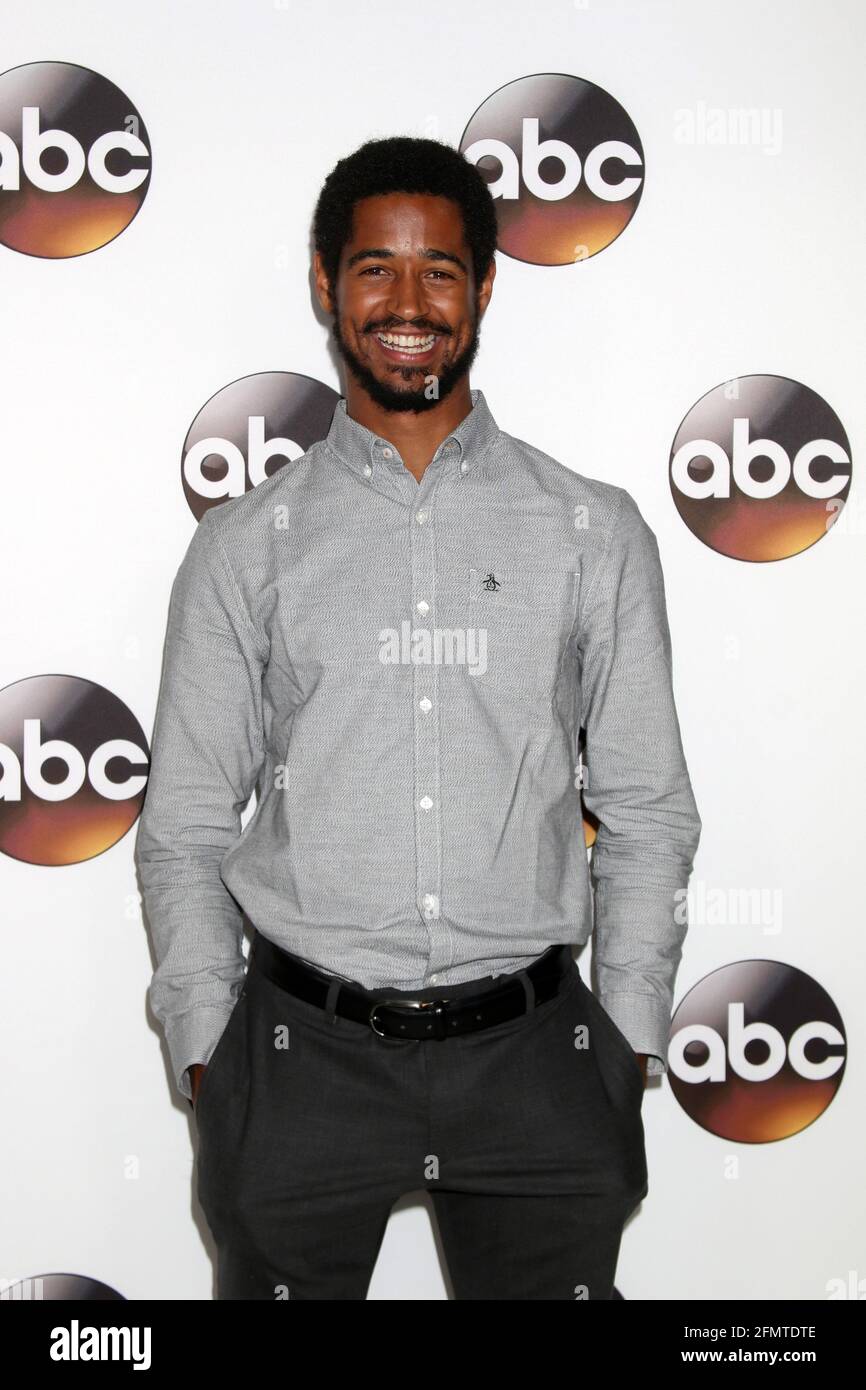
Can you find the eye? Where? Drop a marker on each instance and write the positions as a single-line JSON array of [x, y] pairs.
[[371, 270]]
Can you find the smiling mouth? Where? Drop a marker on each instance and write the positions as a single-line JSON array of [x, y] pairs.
[[406, 347]]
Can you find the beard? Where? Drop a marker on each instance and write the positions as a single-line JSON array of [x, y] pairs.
[[413, 394]]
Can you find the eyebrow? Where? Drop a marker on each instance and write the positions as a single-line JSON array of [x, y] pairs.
[[430, 253]]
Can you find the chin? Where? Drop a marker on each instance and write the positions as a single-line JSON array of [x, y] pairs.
[[391, 398]]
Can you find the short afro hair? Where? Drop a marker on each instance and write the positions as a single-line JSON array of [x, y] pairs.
[[403, 164]]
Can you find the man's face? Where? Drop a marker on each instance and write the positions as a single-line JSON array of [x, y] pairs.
[[408, 311]]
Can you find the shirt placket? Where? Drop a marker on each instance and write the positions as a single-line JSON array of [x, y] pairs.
[[426, 728]]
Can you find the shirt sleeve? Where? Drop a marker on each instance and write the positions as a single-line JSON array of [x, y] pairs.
[[637, 787], [207, 751]]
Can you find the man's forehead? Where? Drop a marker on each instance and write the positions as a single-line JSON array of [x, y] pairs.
[[422, 224], [409, 211]]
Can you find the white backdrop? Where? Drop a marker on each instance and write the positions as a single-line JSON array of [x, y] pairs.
[[741, 258]]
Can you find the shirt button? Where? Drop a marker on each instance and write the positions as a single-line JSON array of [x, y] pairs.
[[464, 467], [434, 979], [425, 803], [426, 705], [421, 517], [368, 469], [423, 606], [387, 453]]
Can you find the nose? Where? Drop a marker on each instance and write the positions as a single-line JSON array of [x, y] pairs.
[[407, 300]]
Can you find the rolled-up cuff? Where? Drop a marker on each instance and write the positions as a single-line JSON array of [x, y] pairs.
[[646, 1028], [192, 1037]]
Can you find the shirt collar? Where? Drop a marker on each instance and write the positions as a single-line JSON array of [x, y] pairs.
[[365, 452]]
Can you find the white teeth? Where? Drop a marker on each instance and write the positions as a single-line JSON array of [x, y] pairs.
[[406, 343]]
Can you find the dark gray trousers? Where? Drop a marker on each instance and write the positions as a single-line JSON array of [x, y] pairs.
[[528, 1136]]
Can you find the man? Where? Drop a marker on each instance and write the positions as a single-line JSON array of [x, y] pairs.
[[398, 638]]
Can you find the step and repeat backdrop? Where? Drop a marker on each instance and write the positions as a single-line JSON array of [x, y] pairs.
[[678, 310]]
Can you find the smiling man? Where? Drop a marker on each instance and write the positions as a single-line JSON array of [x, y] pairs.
[[409, 339], [415, 874]]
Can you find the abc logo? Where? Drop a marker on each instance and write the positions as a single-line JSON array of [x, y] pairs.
[[757, 1051], [74, 160], [73, 770], [564, 163], [58, 1287], [759, 468], [249, 430]]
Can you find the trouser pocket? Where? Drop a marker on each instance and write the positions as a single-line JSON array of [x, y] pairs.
[[212, 1071], [617, 1060]]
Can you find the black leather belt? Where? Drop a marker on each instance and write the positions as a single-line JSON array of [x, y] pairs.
[[426, 1020]]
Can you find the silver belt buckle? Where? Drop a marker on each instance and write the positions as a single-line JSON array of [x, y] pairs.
[[435, 1004]]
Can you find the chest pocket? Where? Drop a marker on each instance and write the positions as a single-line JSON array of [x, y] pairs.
[[524, 623]]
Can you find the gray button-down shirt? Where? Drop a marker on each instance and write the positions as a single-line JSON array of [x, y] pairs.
[[403, 670]]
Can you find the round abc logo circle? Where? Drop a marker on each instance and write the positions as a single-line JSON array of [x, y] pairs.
[[73, 769], [250, 429], [74, 160], [757, 1051], [760, 468], [564, 163], [60, 1288]]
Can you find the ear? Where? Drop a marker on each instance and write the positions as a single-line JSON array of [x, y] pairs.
[[485, 289], [323, 289]]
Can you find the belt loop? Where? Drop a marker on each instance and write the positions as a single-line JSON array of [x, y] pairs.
[[331, 999], [528, 989]]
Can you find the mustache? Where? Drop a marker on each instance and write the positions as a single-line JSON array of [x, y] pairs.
[[408, 328]]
